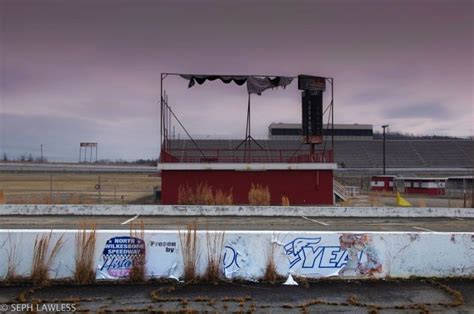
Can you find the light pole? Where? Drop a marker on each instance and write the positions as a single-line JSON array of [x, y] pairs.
[[384, 127]]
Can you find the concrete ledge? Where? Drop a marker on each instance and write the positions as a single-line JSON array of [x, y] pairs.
[[196, 210], [312, 254], [247, 166]]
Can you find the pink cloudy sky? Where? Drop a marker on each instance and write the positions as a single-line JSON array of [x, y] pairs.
[[76, 71]]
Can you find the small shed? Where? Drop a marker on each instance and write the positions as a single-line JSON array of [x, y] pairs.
[[421, 185], [382, 183]]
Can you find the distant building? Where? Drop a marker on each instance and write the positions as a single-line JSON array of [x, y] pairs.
[[382, 183], [294, 131]]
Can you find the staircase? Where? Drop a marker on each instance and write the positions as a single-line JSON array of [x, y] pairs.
[[344, 192]]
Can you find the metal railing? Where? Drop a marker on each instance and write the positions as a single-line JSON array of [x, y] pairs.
[[209, 155], [345, 192]]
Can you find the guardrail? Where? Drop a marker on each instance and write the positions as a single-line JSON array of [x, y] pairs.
[[209, 155]]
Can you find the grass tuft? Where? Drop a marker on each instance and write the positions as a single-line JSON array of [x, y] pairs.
[[85, 251], [223, 198], [215, 245], [189, 245], [43, 257], [11, 275], [259, 195], [137, 272], [203, 194], [285, 201]]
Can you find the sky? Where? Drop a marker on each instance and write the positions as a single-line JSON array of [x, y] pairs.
[[89, 71]]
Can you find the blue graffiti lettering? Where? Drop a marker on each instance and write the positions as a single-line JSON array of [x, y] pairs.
[[306, 251], [230, 257]]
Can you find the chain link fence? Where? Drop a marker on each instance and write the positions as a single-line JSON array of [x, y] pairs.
[[458, 192], [78, 188]]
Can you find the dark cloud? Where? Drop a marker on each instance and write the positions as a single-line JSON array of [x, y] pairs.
[[99, 62], [434, 111]]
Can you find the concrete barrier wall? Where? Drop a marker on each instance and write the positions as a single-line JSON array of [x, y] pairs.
[[245, 254], [197, 210]]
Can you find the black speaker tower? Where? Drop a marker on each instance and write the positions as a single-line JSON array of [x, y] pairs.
[[312, 110]]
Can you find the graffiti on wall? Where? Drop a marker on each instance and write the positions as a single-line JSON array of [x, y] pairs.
[[362, 256], [230, 258], [307, 255], [316, 256]]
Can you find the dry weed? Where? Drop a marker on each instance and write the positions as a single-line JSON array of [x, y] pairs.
[[85, 251], [259, 195], [285, 201], [137, 272], [43, 257], [203, 194], [215, 245], [189, 245], [222, 198], [11, 274]]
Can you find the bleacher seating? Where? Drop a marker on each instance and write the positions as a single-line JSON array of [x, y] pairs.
[[353, 153]]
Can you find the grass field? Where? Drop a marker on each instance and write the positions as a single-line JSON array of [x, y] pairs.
[[138, 188], [77, 188]]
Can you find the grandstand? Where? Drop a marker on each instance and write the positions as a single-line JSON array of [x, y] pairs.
[[350, 154], [294, 131]]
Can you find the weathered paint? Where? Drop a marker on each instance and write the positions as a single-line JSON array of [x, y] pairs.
[[198, 210], [245, 254], [302, 187]]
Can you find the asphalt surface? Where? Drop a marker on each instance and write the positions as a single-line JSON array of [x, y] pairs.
[[244, 223], [340, 296]]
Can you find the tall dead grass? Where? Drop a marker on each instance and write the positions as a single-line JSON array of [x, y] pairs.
[[259, 195], [137, 272], [223, 198], [43, 257], [203, 194], [285, 201], [215, 246], [11, 274], [85, 250], [189, 247]]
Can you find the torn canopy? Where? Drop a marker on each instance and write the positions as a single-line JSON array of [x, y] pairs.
[[255, 84]]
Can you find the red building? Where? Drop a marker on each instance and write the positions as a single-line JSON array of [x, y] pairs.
[[428, 186], [304, 176], [302, 181], [382, 183]]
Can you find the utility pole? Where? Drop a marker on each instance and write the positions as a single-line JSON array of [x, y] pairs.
[[384, 127], [41, 153]]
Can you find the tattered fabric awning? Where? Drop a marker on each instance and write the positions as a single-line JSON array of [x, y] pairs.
[[255, 84]]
